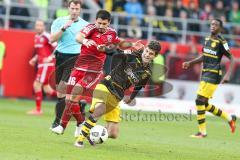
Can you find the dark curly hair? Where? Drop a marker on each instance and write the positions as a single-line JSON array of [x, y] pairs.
[[154, 45], [103, 14]]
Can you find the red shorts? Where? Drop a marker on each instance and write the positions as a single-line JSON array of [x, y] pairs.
[[88, 81], [44, 72]]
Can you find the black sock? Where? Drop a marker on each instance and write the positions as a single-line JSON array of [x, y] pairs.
[[82, 105], [59, 108]]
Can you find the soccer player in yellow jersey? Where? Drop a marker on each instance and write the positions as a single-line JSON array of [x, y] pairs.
[[130, 68], [214, 48]]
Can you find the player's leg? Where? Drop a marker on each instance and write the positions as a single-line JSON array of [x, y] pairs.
[[97, 109], [201, 101], [60, 105], [61, 89], [72, 100], [82, 103], [72, 106], [201, 117], [89, 82], [113, 129], [64, 66], [37, 86], [65, 115], [100, 109], [112, 117], [74, 90], [47, 82], [38, 94], [209, 90], [220, 113], [104, 103], [49, 90]]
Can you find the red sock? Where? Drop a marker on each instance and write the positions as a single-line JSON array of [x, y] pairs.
[[67, 114], [38, 100], [77, 114]]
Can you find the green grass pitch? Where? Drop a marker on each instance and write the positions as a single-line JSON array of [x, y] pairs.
[[24, 137]]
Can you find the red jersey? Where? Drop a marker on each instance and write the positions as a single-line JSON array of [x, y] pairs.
[[43, 46], [90, 59]]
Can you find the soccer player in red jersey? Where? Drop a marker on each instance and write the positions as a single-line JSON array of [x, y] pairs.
[[88, 67], [45, 64]]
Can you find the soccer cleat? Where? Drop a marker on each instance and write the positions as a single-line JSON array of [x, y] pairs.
[[199, 135], [35, 112], [232, 123], [79, 144], [54, 124], [58, 130]]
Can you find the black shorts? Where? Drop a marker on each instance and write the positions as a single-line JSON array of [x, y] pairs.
[[64, 65]]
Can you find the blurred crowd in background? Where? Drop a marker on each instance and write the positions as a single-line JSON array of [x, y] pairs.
[[144, 12]]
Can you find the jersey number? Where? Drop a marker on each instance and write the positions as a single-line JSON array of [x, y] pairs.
[[72, 81]]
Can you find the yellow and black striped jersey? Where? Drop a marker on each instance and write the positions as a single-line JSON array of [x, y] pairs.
[[213, 50], [127, 70]]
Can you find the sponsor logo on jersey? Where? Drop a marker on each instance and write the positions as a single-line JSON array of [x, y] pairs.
[[213, 44], [132, 76], [144, 75], [108, 77], [206, 50], [109, 38]]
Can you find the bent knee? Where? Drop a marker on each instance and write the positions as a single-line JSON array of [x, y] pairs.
[[74, 98], [201, 101], [37, 86]]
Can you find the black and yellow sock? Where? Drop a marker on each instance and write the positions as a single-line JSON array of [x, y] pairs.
[[218, 112], [86, 127], [201, 118]]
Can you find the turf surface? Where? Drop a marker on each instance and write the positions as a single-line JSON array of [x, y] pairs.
[[143, 136]]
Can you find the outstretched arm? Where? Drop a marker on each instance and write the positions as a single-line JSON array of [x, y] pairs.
[[137, 88], [110, 49], [80, 38], [188, 64]]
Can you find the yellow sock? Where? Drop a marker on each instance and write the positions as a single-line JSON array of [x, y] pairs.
[[218, 112], [86, 127], [81, 138], [201, 118]]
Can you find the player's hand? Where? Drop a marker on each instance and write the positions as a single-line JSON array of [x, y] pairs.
[[89, 42], [186, 65], [48, 59], [123, 45], [32, 62], [138, 46], [129, 101], [106, 48], [68, 24], [101, 48]]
